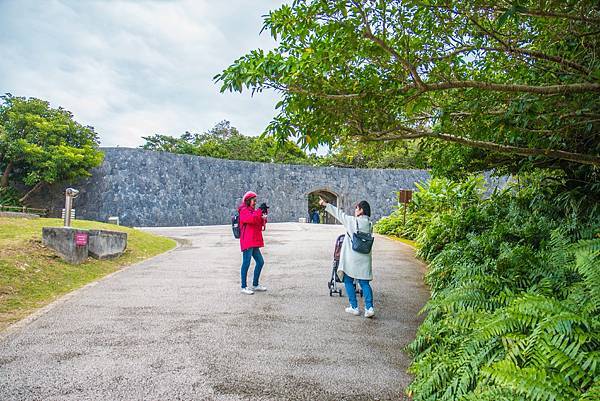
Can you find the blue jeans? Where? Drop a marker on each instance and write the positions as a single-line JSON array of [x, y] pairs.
[[351, 291], [246, 258]]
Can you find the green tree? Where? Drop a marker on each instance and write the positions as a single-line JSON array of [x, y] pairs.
[[224, 141], [41, 145], [511, 85], [348, 153]]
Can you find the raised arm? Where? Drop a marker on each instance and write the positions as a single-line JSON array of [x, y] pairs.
[[347, 221], [253, 217]]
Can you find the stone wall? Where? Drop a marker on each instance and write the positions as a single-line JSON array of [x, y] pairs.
[[145, 188]]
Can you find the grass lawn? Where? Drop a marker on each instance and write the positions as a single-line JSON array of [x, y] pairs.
[[403, 240], [408, 242], [32, 275]]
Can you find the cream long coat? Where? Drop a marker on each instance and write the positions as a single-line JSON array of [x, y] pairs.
[[354, 264]]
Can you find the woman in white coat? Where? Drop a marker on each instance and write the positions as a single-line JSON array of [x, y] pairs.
[[355, 265]]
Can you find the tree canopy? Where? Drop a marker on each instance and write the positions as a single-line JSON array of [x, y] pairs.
[[43, 145], [224, 141], [348, 153], [509, 85]]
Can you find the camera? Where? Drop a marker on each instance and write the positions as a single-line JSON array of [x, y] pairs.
[[265, 209]]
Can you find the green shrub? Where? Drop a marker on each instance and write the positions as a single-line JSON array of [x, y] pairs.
[[9, 197], [437, 197], [515, 292]]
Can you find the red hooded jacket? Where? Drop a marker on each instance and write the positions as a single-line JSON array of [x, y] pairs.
[[251, 226]]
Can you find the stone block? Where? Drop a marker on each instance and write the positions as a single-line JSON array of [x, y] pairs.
[[70, 243], [106, 244]]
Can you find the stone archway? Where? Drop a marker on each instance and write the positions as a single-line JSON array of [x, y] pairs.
[[313, 205]]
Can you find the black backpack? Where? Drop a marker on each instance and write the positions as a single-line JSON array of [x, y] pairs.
[[235, 224]]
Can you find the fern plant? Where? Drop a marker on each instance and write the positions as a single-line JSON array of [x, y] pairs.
[[513, 313], [551, 346]]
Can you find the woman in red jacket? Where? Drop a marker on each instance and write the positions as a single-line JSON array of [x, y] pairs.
[[252, 221]]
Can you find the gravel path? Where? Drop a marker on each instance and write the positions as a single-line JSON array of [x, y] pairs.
[[176, 327]]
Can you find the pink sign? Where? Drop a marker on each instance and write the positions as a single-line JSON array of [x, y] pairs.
[[81, 239]]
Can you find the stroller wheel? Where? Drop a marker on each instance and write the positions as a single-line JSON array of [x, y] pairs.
[[330, 293]]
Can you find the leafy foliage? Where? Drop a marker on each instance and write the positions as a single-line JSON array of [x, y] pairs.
[[510, 85], [408, 155], [9, 197], [438, 199], [225, 142], [515, 306], [42, 145]]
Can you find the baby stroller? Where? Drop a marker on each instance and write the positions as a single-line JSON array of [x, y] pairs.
[[334, 288]]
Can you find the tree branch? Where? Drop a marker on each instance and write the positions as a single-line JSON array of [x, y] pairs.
[[368, 33], [31, 191], [486, 31], [542, 90], [410, 133], [300, 91], [511, 49], [530, 13], [579, 115], [516, 50], [341, 96], [408, 66], [6, 174], [592, 33], [550, 14], [441, 86]]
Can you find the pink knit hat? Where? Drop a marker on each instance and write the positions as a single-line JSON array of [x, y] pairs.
[[248, 195]]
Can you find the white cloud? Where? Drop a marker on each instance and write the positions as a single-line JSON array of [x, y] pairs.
[[132, 69]]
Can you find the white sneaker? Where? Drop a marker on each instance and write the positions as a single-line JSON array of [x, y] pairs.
[[259, 288], [352, 311], [369, 312], [247, 291]]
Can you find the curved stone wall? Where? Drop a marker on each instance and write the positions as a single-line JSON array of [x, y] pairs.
[[145, 188]]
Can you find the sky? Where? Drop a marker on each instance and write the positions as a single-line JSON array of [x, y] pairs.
[[135, 68]]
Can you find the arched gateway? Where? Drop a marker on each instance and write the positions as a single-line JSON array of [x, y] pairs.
[[146, 188], [314, 207]]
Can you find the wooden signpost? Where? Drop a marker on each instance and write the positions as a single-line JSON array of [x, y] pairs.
[[405, 196]]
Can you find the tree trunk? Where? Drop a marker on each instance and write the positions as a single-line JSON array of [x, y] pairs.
[[31, 191], [4, 179]]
